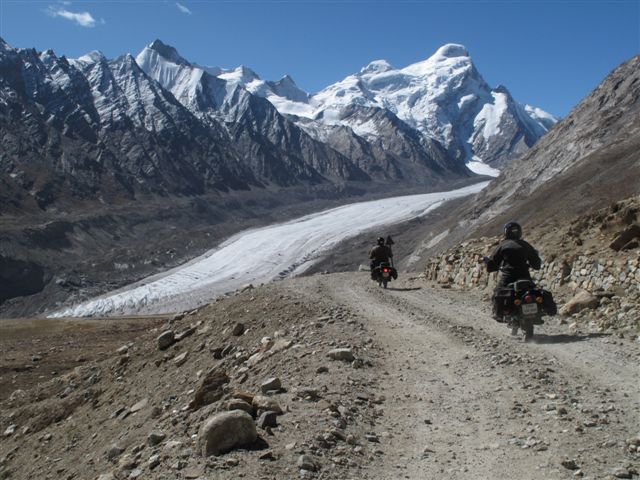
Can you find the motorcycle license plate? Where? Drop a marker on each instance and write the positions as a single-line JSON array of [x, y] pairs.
[[385, 274], [529, 308]]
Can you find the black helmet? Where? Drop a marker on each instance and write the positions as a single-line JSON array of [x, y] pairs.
[[512, 230], [380, 241]]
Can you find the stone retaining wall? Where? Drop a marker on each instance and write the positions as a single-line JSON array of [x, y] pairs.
[[609, 272]]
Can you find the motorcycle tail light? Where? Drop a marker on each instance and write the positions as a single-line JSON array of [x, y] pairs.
[[528, 298], [517, 301], [539, 299], [386, 270]]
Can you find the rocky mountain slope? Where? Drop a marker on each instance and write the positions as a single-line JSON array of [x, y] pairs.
[[595, 258], [101, 131], [590, 160]]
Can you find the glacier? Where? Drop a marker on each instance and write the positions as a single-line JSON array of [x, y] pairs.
[[261, 255]]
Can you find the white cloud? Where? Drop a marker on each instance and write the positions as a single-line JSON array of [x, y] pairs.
[[182, 8], [84, 19]]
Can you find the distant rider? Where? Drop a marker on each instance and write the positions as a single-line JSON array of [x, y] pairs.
[[379, 254], [513, 258]]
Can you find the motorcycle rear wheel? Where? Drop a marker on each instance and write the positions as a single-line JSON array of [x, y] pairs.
[[528, 330], [384, 284]]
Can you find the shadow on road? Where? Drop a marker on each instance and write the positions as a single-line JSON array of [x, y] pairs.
[[404, 289], [564, 338]]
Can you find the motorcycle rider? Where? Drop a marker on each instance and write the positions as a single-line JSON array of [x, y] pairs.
[[379, 253], [512, 257]]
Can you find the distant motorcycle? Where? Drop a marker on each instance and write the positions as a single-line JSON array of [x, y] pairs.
[[522, 305], [384, 273]]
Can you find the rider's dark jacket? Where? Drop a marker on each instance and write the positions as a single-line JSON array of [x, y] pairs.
[[380, 253], [513, 258]]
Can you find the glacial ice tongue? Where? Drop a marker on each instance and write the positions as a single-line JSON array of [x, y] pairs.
[[262, 255]]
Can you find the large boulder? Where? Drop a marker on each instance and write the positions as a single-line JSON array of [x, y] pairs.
[[225, 431], [579, 302]]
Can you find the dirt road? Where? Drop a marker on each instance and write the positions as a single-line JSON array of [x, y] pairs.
[[441, 391], [465, 399]]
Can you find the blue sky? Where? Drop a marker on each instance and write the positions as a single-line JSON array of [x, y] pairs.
[[549, 53]]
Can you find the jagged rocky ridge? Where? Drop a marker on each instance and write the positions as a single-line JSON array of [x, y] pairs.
[[94, 128], [102, 129]]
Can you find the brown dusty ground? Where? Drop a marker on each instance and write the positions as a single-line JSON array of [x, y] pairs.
[[35, 350], [441, 391]]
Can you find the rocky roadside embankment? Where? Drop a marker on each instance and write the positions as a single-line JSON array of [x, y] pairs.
[[284, 377], [591, 265]]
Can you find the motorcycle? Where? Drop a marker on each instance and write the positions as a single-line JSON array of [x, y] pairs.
[[383, 273], [522, 305]]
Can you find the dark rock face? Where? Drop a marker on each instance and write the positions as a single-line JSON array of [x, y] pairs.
[[396, 152], [103, 129], [19, 278]]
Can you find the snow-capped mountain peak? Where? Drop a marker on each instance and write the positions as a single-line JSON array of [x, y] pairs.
[[94, 56], [241, 75], [377, 66], [168, 52]]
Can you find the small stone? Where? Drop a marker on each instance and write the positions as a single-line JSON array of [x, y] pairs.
[[181, 359], [266, 404], [268, 455], [166, 339], [238, 329], [271, 384], [238, 404], [11, 429], [114, 452], [154, 461], [343, 354], [106, 476], [306, 462], [322, 369], [123, 350], [140, 405], [127, 462], [268, 419], [185, 333], [569, 464], [621, 472], [372, 438], [194, 472], [136, 473], [210, 389], [155, 438]]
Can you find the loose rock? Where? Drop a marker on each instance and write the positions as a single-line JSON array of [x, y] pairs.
[[154, 438], [268, 419], [226, 431], [266, 404], [271, 384], [343, 354], [166, 339]]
